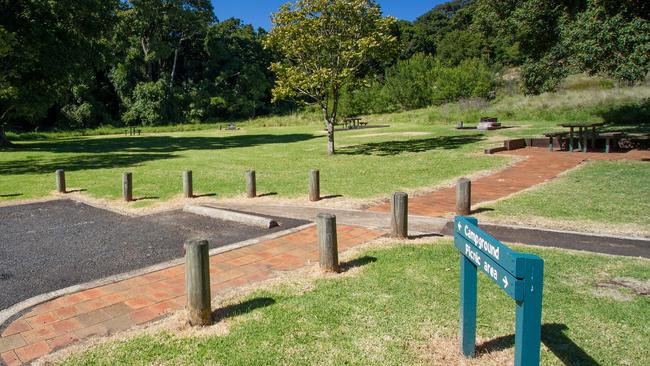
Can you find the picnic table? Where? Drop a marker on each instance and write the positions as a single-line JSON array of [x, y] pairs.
[[132, 131], [353, 122], [583, 136]]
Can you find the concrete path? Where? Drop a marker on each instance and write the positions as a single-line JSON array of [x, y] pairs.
[[630, 247], [373, 220], [540, 166], [437, 226], [124, 304]]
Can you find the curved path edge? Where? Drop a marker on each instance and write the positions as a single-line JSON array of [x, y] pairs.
[[36, 300]]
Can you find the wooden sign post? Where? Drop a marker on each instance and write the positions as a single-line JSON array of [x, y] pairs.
[[520, 275]]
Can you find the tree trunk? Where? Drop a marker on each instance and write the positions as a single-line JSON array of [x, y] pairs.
[[171, 78], [330, 137], [4, 141]]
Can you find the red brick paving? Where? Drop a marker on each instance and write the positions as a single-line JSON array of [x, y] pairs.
[[116, 307], [540, 165]]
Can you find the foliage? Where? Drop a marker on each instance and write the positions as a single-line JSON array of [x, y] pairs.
[[419, 82], [47, 47], [555, 39], [323, 44], [237, 68], [149, 103]]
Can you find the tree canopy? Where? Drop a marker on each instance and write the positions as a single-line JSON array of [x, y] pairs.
[[85, 63], [323, 44]]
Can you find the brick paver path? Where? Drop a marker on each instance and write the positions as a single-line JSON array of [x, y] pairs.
[[540, 166], [122, 305]]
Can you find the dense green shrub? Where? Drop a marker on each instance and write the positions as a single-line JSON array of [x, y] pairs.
[[419, 82], [149, 105]]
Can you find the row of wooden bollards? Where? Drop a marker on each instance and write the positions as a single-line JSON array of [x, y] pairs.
[[197, 264], [197, 269], [188, 189], [399, 207]]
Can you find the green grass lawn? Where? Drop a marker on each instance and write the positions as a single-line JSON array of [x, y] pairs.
[[421, 148], [405, 155], [602, 192], [402, 309]]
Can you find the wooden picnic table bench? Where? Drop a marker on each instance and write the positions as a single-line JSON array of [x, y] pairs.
[[552, 135], [353, 122], [582, 136], [609, 136]]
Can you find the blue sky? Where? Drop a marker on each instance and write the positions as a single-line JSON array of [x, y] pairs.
[[258, 12]]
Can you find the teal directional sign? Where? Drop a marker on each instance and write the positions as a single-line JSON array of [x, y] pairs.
[[519, 275]]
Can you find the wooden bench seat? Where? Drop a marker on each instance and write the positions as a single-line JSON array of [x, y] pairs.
[[609, 136], [552, 135]]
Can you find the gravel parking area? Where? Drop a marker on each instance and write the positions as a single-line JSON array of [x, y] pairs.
[[53, 245]]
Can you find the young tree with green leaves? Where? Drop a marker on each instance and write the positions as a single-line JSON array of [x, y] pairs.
[[323, 44]]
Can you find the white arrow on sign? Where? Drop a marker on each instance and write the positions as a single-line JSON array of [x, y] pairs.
[[459, 226], [505, 282]]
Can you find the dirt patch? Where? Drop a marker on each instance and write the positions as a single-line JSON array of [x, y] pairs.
[[623, 288], [441, 350]]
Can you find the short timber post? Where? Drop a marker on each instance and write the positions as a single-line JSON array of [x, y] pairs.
[[463, 197], [187, 184], [399, 215], [127, 186], [251, 186], [197, 282], [60, 181], [327, 243], [314, 185]]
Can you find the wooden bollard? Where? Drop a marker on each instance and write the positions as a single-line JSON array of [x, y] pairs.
[[197, 282], [251, 188], [399, 215], [127, 186], [327, 243], [463, 197], [187, 184], [314, 185], [60, 181]]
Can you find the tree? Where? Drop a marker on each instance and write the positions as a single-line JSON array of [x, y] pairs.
[[323, 44], [45, 47], [237, 69], [555, 38], [159, 43]]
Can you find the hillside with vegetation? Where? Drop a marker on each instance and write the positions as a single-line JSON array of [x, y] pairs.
[[89, 64]]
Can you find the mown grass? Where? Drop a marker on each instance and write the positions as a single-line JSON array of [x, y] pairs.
[[402, 307], [370, 162], [420, 148], [600, 191]]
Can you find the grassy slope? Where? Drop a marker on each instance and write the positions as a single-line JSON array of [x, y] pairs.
[[389, 311], [610, 192]]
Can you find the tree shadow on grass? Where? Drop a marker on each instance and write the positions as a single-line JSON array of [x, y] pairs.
[[554, 338], [10, 195], [355, 263], [633, 117], [115, 152], [161, 144], [388, 148], [241, 308], [77, 162]]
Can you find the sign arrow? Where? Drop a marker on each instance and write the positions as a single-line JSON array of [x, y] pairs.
[[459, 227], [505, 282]]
